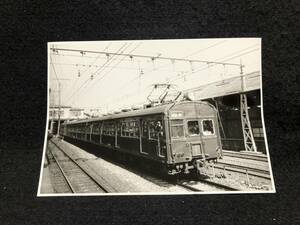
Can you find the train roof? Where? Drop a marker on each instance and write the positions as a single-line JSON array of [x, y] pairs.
[[140, 112]]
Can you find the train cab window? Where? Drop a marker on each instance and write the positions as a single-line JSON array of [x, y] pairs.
[[177, 128], [208, 127], [193, 128]]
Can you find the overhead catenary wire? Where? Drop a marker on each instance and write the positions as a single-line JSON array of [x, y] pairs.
[[204, 68], [100, 78], [83, 73], [101, 68], [209, 66], [115, 59], [84, 83], [95, 66], [172, 62], [130, 54], [98, 72], [196, 70], [117, 64], [143, 56]]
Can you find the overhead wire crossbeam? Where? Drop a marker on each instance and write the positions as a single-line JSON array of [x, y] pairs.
[[145, 56]]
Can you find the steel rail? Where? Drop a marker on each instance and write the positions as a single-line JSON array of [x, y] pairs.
[[240, 155], [220, 186], [105, 189], [244, 169], [63, 173]]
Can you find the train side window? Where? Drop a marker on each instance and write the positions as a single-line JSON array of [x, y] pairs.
[[125, 129], [208, 127], [177, 130], [152, 133], [155, 129], [111, 129], [136, 129], [132, 129], [104, 129], [145, 129], [193, 128], [98, 128], [95, 128], [119, 129]]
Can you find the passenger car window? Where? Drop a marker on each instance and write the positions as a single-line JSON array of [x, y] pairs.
[[130, 129], [145, 129], [193, 128], [155, 129], [207, 127], [152, 132]]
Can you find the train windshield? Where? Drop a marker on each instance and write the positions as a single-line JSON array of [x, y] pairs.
[[193, 128], [177, 128], [208, 127]]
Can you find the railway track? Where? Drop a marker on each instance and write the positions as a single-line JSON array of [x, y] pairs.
[[205, 186], [60, 184], [190, 184], [76, 178], [243, 170], [244, 155]]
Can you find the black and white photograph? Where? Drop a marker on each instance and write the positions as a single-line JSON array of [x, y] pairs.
[[155, 117]]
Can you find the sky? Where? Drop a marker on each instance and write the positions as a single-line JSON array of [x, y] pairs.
[[111, 82]]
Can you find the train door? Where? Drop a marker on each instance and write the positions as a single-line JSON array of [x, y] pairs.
[[194, 138], [179, 144], [210, 134], [151, 137], [146, 144]]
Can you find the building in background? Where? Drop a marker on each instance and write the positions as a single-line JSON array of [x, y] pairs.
[[63, 113]]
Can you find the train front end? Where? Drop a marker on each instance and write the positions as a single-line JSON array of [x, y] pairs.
[[194, 139]]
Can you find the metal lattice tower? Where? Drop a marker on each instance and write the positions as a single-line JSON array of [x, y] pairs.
[[249, 142]]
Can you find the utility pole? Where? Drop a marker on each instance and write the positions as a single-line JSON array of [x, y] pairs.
[[59, 107], [59, 103], [51, 124]]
